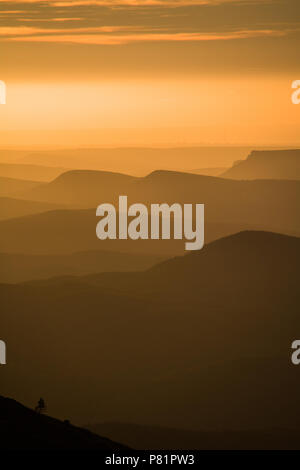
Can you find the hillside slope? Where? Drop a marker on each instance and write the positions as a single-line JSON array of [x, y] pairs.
[[23, 429]]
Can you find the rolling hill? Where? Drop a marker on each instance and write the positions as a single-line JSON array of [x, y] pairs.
[[265, 203], [272, 164], [68, 231], [81, 187], [20, 268], [230, 206], [11, 208], [197, 342]]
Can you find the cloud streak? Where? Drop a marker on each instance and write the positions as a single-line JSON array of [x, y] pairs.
[[33, 31], [120, 39], [48, 20]]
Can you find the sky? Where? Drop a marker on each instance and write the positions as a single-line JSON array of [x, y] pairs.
[[149, 72]]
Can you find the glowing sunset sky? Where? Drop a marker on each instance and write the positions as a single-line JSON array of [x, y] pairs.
[[168, 71]]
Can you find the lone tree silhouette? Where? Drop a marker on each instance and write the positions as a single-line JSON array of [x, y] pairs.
[[41, 406]]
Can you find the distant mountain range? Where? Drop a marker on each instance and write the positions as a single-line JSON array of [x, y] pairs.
[[226, 201], [20, 268], [30, 172], [275, 164], [157, 437], [230, 206], [184, 345], [133, 160], [11, 207], [23, 429], [201, 341], [62, 232], [58, 218]]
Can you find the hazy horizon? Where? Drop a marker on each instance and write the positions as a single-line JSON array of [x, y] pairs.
[[149, 73]]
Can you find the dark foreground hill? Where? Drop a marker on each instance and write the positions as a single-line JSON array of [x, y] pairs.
[[197, 342], [267, 164], [157, 437], [23, 429]]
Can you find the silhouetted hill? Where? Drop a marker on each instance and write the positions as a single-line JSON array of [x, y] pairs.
[[23, 429], [222, 264], [230, 206], [266, 204], [11, 187], [197, 342], [11, 208], [156, 437], [19, 268], [69, 231], [30, 172], [272, 164], [82, 187]]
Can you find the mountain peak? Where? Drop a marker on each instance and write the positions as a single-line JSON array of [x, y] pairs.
[[267, 164]]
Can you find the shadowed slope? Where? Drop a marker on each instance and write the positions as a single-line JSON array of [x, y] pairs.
[[24, 429]]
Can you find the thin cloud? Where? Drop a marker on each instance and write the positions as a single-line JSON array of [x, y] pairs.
[[113, 39], [11, 12], [48, 20], [32, 31]]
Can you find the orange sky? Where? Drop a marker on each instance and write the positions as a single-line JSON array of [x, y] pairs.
[[147, 72]]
